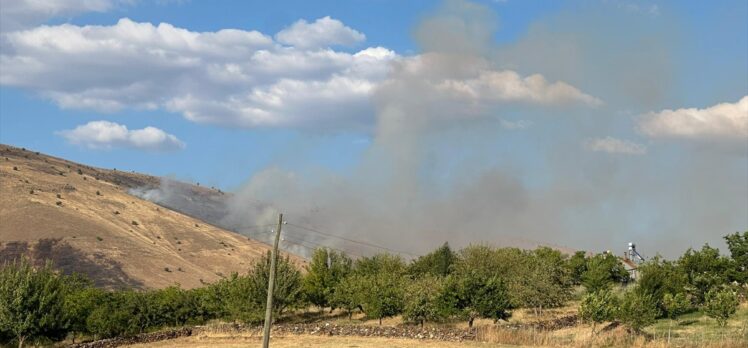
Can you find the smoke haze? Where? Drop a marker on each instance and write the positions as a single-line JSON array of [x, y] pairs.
[[480, 142]]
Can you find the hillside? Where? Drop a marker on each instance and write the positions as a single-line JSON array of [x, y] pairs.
[[84, 219]]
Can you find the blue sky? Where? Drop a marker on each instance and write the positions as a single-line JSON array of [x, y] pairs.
[[624, 92]]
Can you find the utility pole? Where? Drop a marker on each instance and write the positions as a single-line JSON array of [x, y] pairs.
[[271, 286]]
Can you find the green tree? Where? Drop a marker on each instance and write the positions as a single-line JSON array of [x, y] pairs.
[[658, 277], [31, 302], [380, 263], [577, 265], [79, 303], [738, 245], [543, 281], [422, 300], [382, 294], [349, 294], [721, 305], [637, 310], [598, 307], [602, 271], [704, 269], [470, 295], [437, 263], [674, 306], [247, 295], [325, 270]]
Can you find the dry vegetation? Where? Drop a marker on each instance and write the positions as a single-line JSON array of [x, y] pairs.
[[84, 220]]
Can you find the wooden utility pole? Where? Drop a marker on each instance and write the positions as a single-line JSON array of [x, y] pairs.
[[271, 286]]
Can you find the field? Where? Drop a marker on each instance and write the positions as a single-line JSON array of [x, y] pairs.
[[691, 330]]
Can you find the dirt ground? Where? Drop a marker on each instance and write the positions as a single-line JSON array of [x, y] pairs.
[[310, 341]]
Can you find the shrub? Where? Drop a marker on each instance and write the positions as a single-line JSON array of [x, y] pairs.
[[135, 223]]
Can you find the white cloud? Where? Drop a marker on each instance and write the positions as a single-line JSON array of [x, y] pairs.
[[324, 32], [721, 122], [106, 135], [240, 78], [20, 14], [613, 145], [508, 85]]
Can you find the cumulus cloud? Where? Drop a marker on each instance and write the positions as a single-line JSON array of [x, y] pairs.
[[324, 32], [724, 121], [240, 78], [107, 135], [19, 14], [613, 145]]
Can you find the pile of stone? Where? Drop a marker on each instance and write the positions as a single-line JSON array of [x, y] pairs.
[[142, 338]]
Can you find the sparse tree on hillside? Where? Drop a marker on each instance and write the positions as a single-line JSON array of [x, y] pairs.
[[721, 305]]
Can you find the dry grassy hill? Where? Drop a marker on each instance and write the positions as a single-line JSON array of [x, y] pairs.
[[84, 220]]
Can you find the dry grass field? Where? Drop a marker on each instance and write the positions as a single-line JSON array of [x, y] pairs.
[[690, 331], [84, 219]]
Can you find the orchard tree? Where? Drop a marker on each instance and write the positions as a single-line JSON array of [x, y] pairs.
[[674, 306], [326, 269], [577, 265], [422, 300], [602, 271], [598, 307], [721, 304], [382, 294], [637, 310], [31, 302], [349, 294], [658, 277], [472, 295], [705, 269], [738, 245], [437, 263]]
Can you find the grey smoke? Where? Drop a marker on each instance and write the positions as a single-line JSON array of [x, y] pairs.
[[441, 170]]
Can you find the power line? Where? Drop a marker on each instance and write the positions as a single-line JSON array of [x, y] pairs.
[[300, 242], [351, 240]]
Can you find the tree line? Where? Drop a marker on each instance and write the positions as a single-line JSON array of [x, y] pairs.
[[38, 304]]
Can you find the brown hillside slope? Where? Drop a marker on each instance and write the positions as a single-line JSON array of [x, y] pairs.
[[85, 221]]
